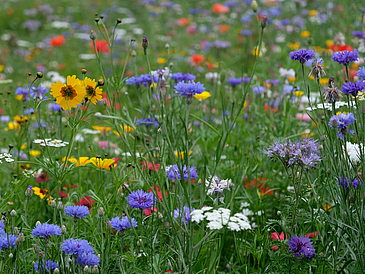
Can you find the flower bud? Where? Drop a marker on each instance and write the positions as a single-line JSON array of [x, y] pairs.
[[254, 5], [53, 204], [63, 229], [60, 206], [101, 82], [39, 74], [92, 35], [83, 71], [323, 137], [263, 22], [119, 21], [29, 191], [310, 40], [37, 223], [101, 212], [16, 231], [108, 225], [86, 269], [56, 271], [40, 254], [36, 248], [11, 256], [145, 44], [95, 269], [133, 53], [13, 213], [167, 46], [21, 237], [97, 20]]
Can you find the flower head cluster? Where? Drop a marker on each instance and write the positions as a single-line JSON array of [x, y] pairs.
[[345, 182], [301, 246], [302, 55], [345, 57], [361, 73], [140, 199], [6, 241], [342, 121], [173, 172], [143, 79], [184, 214], [189, 89], [46, 230], [7, 157], [50, 266], [77, 211], [304, 152], [353, 88], [221, 217], [147, 122], [182, 77], [76, 246], [50, 143], [123, 223]]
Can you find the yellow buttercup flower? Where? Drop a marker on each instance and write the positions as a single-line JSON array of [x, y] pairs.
[[329, 43], [202, 96], [40, 192], [305, 34], [294, 46], [102, 129], [20, 119], [12, 126], [323, 81], [298, 93], [313, 13], [161, 60], [93, 93], [182, 153], [34, 153], [23, 146], [103, 163], [291, 79], [69, 95]]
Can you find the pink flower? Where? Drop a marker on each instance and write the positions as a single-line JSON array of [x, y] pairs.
[[311, 235], [103, 144], [303, 117], [276, 237]]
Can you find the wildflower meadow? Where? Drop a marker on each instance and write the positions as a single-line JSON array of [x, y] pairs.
[[197, 136]]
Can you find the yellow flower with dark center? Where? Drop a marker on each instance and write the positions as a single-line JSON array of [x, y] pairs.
[[103, 163], [298, 93], [12, 126], [202, 96], [34, 153], [21, 119], [40, 192], [93, 93], [69, 95]]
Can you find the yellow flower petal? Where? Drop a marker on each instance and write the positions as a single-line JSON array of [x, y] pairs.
[[202, 96]]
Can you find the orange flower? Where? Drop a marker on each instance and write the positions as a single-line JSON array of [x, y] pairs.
[[197, 58], [224, 28], [101, 46], [219, 8], [57, 41], [182, 21]]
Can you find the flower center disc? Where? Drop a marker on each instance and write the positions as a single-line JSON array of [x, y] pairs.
[[69, 92]]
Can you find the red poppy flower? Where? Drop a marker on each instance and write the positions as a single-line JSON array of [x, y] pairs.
[[341, 47], [57, 41], [197, 58], [311, 235], [276, 237], [352, 74], [148, 211], [42, 178], [63, 194], [86, 201], [183, 21], [219, 8], [224, 28], [151, 166], [169, 271], [101, 46]]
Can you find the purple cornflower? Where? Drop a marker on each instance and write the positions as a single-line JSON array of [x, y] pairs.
[[361, 73], [358, 33], [45, 230], [4, 241], [123, 223], [288, 89], [174, 173], [55, 107], [2, 227], [342, 121], [189, 89], [234, 81], [87, 259], [345, 182], [303, 152], [258, 90], [246, 79], [301, 246], [38, 92], [22, 91], [345, 57], [143, 79], [50, 266], [182, 77], [77, 211], [76, 246], [5, 118], [353, 88], [302, 55], [147, 122], [140, 199], [183, 214]]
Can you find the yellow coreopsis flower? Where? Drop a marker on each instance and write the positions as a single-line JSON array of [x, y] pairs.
[[102, 129], [69, 95], [103, 163], [291, 79], [202, 96], [294, 46], [93, 93], [12, 126], [40, 192], [182, 154], [82, 161], [298, 93], [34, 153], [305, 34]]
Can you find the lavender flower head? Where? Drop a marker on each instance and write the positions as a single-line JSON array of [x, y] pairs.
[[342, 121], [123, 223], [301, 246], [189, 89], [302, 55], [77, 212], [345, 182], [140, 199], [173, 172], [345, 57], [4, 244], [46, 230], [234, 81], [353, 88], [183, 214], [50, 266], [76, 246], [304, 152]]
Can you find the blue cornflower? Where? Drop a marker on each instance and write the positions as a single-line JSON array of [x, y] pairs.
[[361, 73], [234, 81], [342, 121], [28, 111], [345, 57], [77, 211], [38, 92], [123, 223], [36, 125], [182, 77], [55, 107], [87, 259], [258, 90], [345, 182], [221, 44], [288, 89], [143, 79], [132, 81], [194, 11], [147, 122], [22, 91], [353, 88], [301, 246], [184, 214], [45, 230], [358, 33], [285, 22], [174, 173], [76, 246], [302, 55], [246, 32], [140, 199], [189, 89], [2, 227], [4, 240], [50, 266]]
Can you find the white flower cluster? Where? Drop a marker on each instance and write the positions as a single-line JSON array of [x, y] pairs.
[[7, 157], [218, 218], [327, 106], [353, 150], [50, 142]]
